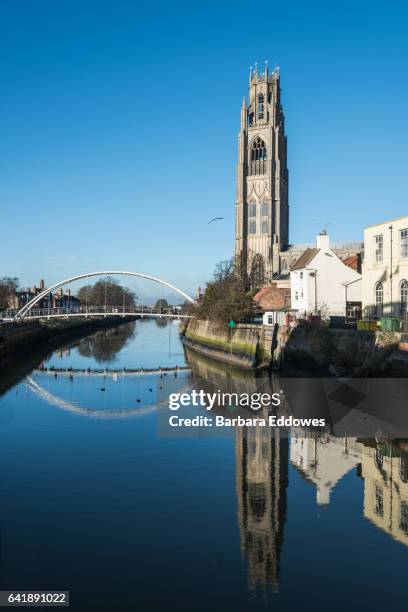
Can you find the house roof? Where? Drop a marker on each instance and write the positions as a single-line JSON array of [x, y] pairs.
[[352, 262], [305, 258], [272, 297]]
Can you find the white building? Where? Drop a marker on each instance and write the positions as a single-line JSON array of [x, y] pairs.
[[385, 268], [323, 461], [321, 282]]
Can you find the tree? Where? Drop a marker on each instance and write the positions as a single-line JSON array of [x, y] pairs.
[[161, 304], [104, 345], [8, 288], [108, 292], [225, 297]]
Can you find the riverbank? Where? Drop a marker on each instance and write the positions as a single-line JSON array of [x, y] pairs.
[[309, 348], [18, 340], [246, 346]]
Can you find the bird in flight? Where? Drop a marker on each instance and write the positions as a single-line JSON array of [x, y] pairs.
[[215, 219]]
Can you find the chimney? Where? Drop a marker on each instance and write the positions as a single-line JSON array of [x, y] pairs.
[[323, 241], [323, 495], [42, 284]]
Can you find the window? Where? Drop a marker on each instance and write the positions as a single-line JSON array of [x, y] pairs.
[[252, 209], [251, 217], [404, 243], [379, 501], [403, 296], [257, 271], [378, 459], [404, 468], [264, 218], [270, 320], [260, 106], [296, 296], [379, 248], [379, 298], [258, 157], [301, 275], [403, 523]]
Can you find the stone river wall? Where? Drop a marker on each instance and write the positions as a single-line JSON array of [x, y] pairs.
[[308, 348]]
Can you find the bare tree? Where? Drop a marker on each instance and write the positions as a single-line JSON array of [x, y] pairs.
[[226, 296], [8, 288]]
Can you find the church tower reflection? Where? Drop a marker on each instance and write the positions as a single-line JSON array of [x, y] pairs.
[[261, 481]]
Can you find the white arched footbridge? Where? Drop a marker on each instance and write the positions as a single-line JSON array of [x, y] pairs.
[[29, 310]]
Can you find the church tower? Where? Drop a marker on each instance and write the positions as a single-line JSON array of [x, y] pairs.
[[262, 210]]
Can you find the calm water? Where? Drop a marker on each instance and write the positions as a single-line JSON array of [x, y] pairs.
[[95, 502]]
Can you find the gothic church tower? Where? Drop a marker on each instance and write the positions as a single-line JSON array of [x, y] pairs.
[[262, 210]]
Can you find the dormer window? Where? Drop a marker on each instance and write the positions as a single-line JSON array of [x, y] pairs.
[[260, 106]]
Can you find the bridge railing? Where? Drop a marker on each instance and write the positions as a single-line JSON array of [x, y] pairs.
[[92, 310]]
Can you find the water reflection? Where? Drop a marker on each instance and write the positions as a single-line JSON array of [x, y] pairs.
[[323, 460], [105, 345], [262, 480], [265, 456], [262, 463], [268, 497], [384, 468]]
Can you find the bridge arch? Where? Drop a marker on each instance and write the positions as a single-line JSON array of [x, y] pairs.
[[27, 307]]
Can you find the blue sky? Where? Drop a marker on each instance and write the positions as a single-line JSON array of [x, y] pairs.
[[119, 125]]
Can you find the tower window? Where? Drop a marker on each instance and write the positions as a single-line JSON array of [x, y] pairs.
[[257, 271], [260, 106], [264, 218], [258, 157], [251, 217]]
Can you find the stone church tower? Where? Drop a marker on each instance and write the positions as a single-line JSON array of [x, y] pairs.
[[262, 210]]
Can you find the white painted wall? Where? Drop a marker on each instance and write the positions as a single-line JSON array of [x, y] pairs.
[[380, 271], [323, 461], [321, 285]]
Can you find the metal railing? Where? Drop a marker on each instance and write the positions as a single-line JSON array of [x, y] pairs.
[[87, 311]]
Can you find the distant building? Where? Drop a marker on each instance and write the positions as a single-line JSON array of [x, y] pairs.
[[385, 268], [52, 300], [25, 295], [321, 282]]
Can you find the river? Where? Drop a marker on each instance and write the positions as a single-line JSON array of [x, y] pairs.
[[94, 501]]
